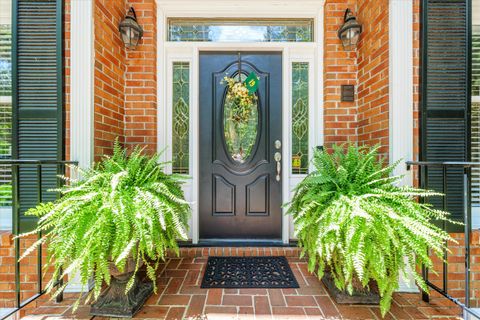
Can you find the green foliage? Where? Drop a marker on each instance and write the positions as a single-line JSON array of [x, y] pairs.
[[5, 195], [353, 219], [125, 207]]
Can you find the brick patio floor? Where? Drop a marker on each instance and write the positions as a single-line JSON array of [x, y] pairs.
[[180, 297]]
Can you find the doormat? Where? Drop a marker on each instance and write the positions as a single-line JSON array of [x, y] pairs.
[[248, 272]]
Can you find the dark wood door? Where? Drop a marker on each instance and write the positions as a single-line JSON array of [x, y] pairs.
[[240, 196]]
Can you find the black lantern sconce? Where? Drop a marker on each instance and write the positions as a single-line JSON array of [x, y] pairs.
[[130, 31], [349, 32]]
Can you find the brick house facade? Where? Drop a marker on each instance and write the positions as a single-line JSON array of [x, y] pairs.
[[126, 97]]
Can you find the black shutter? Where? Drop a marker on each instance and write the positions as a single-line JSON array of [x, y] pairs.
[[475, 114], [37, 95], [446, 96]]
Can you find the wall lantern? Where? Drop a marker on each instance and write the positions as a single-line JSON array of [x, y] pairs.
[[130, 30], [350, 31]]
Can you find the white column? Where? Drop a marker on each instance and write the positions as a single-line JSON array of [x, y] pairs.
[[81, 94], [401, 96], [81, 82]]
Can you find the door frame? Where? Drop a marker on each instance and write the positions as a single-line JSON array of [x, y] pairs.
[[169, 52]]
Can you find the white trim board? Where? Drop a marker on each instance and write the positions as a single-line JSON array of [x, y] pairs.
[[168, 52], [81, 82], [401, 98], [81, 95]]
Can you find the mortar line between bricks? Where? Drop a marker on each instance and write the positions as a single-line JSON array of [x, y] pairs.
[[269, 305], [319, 307]]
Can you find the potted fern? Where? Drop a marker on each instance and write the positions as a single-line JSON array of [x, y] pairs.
[[360, 229], [124, 213]]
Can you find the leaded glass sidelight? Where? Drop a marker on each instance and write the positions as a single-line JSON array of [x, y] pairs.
[[181, 117], [240, 30], [300, 117]]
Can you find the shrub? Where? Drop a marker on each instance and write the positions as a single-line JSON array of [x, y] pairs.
[[125, 207], [352, 218]]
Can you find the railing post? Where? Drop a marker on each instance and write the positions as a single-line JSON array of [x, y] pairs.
[[16, 227], [60, 170], [16, 230], [467, 225], [39, 234], [444, 225], [423, 184]]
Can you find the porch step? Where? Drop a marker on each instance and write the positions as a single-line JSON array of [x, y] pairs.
[[196, 252]]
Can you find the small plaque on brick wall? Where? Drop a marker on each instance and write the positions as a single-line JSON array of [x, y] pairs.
[[348, 93]]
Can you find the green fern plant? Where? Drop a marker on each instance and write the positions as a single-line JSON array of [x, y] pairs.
[[352, 219], [125, 207]]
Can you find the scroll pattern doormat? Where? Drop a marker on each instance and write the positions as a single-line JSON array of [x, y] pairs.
[[248, 272]]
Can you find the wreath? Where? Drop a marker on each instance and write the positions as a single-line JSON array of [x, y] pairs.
[[241, 96]]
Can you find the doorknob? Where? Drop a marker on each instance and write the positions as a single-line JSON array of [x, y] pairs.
[[278, 159]]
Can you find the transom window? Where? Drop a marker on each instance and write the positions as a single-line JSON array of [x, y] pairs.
[[240, 30]]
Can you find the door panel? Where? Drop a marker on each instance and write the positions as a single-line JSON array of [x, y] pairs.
[[240, 197]]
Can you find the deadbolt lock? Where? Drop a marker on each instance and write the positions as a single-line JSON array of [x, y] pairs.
[[278, 144]]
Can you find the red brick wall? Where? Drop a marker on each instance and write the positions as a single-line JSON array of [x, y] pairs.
[[28, 271], [456, 269], [109, 75], [141, 81], [340, 67], [7, 280], [366, 119], [372, 80]]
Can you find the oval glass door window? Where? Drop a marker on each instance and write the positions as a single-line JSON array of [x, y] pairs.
[[240, 130]]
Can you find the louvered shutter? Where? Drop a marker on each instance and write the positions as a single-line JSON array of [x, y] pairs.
[[37, 95], [476, 114], [445, 96]]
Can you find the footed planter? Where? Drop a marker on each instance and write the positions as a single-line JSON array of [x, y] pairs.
[[343, 297], [113, 302]]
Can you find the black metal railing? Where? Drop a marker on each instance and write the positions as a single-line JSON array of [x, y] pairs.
[[465, 169], [35, 172]]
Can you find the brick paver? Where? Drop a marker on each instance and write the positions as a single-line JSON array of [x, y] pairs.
[[180, 297]]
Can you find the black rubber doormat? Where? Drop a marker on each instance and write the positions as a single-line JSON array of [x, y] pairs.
[[248, 272]]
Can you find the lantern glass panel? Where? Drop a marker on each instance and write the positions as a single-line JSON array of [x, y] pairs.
[[135, 37], [350, 38], [125, 35]]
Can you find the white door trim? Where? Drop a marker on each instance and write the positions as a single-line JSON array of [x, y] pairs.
[[168, 52]]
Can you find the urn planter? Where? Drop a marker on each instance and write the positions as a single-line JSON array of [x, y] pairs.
[[113, 302], [343, 297]]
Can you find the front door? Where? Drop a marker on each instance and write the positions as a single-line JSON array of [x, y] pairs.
[[240, 172]]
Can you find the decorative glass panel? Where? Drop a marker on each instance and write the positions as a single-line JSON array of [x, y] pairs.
[[300, 117], [181, 117], [240, 30], [240, 132]]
